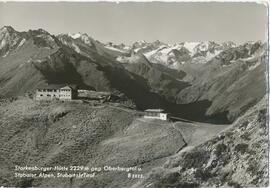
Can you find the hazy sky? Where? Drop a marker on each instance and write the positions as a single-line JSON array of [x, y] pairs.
[[129, 22]]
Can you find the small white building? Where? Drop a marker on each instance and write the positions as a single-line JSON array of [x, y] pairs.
[[50, 92], [155, 114]]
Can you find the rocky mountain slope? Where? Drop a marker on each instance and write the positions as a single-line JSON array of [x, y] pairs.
[[202, 81], [175, 55], [225, 83], [205, 77], [221, 77], [170, 154], [237, 157], [43, 58]]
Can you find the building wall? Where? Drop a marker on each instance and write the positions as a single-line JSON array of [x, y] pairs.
[[154, 115], [163, 116], [47, 94], [50, 94], [66, 94]]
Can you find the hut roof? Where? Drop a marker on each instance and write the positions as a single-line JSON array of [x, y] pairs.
[[56, 86], [154, 110]]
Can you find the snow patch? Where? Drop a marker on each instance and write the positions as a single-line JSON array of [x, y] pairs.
[[39, 60], [76, 48], [3, 43], [6, 54], [21, 43], [46, 37], [137, 49], [131, 59], [170, 48], [75, 36], [141, 42], [86, 39], [210, 55], [114, 49], [120, 58], [127, 48], [254, 66], [190, 46], [164, 55], [149, 54], [248, 58]]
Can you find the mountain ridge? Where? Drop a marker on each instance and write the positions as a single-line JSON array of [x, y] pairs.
[[168, 76], [222, 94]]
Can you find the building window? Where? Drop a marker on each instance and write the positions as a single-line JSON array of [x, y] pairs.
[[48, 95], [152, 114], [41, 95]]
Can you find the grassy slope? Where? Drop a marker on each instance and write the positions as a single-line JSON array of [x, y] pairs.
[[160, 79], [18, 74], [237, 157], [220, 86], [231, 89], [200, 92], [31, 65], [48, 134]]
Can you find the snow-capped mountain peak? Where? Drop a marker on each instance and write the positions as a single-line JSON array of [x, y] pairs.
[[142, 42], [9, 40], [75, 35], [6, 29], [78, 35], [181, 53], [190, 46]]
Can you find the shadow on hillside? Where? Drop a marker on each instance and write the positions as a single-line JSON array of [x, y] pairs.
[[195, 112], [133, 86], [137, 89]]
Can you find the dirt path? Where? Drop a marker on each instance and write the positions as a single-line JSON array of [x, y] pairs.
[[193, 133], [197, 133]]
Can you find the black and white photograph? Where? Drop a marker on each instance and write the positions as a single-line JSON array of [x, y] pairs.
[[134, 94]]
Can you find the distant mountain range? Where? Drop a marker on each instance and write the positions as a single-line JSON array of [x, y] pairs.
[[219, 83], [203, 81]]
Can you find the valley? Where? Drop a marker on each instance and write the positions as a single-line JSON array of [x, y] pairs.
[[205, 90], [218, 88]]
